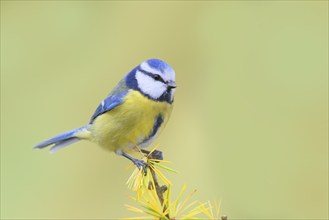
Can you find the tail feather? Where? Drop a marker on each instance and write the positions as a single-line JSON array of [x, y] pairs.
[[62, 144], [60, 141]]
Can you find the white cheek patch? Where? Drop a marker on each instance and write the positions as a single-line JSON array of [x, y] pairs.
[[149, 86]]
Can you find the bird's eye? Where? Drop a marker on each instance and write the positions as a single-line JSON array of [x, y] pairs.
[[157, 77]]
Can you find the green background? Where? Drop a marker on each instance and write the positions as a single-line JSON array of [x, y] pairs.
[[250, 123]]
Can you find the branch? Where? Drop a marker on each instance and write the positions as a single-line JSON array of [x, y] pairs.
[[160, 190], [224, 217], [155, 198]]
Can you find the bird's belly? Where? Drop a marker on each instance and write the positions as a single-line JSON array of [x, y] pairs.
[[129, 124]]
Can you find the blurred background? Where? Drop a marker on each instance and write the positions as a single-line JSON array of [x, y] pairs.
[[250, 123]]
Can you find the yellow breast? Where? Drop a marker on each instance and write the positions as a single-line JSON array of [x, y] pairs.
[[130, 123]]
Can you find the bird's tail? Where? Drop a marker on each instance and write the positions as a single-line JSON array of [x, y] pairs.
[[62, 140]]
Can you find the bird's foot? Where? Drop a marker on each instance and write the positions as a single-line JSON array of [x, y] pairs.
[[140, 164], [154, 155], [157, 155]]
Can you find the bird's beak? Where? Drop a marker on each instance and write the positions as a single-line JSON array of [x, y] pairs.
[[171, 85]]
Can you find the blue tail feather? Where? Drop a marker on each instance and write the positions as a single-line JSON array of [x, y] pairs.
[[60, 141]]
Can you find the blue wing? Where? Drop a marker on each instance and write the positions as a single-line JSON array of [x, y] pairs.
[[108, 104]]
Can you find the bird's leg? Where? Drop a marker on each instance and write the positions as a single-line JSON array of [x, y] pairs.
[[154, 155], [139, 163]]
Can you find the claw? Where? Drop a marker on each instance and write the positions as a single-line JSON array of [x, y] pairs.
[[140, 164], [157, 155], [154, 155]]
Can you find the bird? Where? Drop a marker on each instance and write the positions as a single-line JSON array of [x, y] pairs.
[[133, 114]]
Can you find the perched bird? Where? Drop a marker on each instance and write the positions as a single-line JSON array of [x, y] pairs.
[[133, 114]]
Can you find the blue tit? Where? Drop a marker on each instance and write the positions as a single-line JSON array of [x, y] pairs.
[[133, 114]]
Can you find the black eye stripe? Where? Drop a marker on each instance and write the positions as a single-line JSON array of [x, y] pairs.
[[154, 76], [158, 78]]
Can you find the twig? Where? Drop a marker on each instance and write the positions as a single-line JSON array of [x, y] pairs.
[[160, 190]]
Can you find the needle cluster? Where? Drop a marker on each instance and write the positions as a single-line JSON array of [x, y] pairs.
[[153, 195]]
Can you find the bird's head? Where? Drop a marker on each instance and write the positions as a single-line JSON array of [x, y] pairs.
[[155, 79]]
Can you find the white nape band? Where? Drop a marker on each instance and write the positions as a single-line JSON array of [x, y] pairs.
[[146, 67]]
